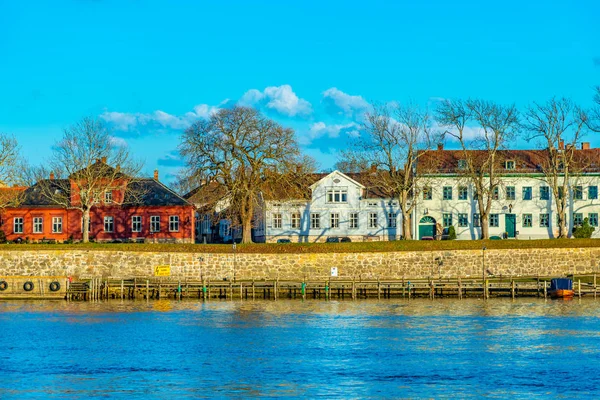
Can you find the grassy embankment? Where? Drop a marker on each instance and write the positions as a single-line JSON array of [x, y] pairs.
[[409, 245]]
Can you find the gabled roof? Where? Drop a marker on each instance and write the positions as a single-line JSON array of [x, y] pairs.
[[336, 172], [525, 161], [34, 197], [100, 167], [152, 193]]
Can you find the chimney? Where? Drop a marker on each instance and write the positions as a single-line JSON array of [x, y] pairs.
[[51, 176], [561, 144], [118, 168], [440, 146], [104, 160], [155, 174], [373, 168], [585, 145]]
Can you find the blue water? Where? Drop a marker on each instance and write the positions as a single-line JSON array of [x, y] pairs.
[[527, 348]]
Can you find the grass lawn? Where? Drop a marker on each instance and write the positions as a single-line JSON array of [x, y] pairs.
[[271, 248]]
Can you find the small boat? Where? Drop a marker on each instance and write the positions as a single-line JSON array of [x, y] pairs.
[[561, 288]]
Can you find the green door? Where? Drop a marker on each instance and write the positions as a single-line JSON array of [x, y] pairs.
[[426, 227], [510, 222]]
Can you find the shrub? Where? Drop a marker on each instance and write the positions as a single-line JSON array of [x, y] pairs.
[[2, 237], [451, 233], [583, 231]]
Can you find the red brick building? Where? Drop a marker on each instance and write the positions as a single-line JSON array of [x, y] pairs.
[[158, 214]]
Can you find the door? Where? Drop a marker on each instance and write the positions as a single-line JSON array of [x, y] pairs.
[[426, 227], [510, 223]]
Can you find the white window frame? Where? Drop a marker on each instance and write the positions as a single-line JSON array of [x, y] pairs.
[[392, 220], [277, 220], [136, 223], [108, 198], [337, 195], [109, 222], [18, 224], [315, 221], [38, 225], [295, 220], [353, 220], [334, 220], [373, 223], [57, 224], [154, 219], [173, 223]]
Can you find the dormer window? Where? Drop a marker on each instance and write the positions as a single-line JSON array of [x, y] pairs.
[[462, 164], [108, 197], [337, 195], [509, 164]]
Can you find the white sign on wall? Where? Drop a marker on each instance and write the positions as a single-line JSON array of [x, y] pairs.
[[334, 271]]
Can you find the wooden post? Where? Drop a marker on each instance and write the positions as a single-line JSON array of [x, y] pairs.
[[122, 288], [459, 288], [253, 293], [579, 287], [148, 290], [545, 289], [379, 290], [594, 285], [353, 289]]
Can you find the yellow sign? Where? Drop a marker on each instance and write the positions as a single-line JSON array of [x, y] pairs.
[[162, 270]]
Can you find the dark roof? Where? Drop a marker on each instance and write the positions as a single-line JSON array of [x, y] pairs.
[[150, 192], [526, 161], [33, 196], [100, 168]]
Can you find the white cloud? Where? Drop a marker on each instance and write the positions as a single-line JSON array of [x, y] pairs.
[[279, 98], [321, 129], [118, 142], [130, 121], [339, 102]]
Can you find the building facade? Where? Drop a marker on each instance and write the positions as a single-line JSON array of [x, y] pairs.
[[158, 215], [523, 206]]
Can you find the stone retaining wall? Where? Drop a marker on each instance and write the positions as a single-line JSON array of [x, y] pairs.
[[393, 265]]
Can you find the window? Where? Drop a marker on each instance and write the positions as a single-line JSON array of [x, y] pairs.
[[334, 220], [527, 220], [427, 193], [353, 220], [592, 192], [109, 224], [463, 220], [577, 192], [276, 220], [509, 164], [544, 193], [496, 193], [447, 219], [155, 223], [527, 192], [447, 193], [593, 219], [337, 195], [462, 164], [372, 220], [18, 225], [108, 197], [476, 220], [174, 223], [96, 197], [38, 225], [57, 225], [295, 221], [392, 220], [136, 223], [494, 220], [577, 218], [315, 221], [372, 204], [544, 220], [510, 193], [462, 193]]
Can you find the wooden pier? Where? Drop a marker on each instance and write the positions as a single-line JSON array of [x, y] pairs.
[[102, 288]]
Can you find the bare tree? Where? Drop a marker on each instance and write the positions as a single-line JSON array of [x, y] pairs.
[[12, 169], [87, 169], [483, 129], [556, 122], [394, 139], [247, 154]]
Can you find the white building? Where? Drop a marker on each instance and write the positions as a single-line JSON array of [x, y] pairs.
[[523, 207], [336, 205]]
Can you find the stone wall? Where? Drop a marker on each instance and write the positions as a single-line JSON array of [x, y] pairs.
[[393, 265]]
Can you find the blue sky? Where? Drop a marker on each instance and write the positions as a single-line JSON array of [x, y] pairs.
[[149, 68]]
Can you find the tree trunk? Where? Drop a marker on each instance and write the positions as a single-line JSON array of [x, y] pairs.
[[562, 225], [485, 227], [246, 216], [406, 225], [86, 225]]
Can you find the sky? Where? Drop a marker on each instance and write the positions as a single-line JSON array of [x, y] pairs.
[[151, 68]]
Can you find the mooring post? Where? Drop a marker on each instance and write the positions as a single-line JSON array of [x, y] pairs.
[[326, 290], [148, 290], [512, 289], [545, 289], [459, 288], [379, 289], [122, 289], [579, 287], [303, 290], [594, 285]]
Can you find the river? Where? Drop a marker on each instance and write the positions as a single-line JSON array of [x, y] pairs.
[[499, 348]]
